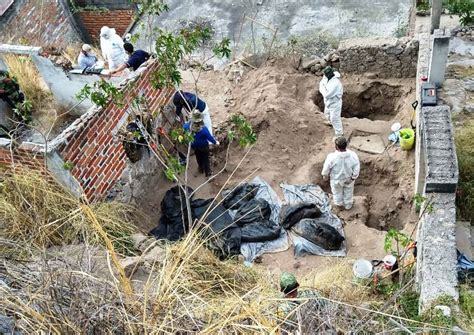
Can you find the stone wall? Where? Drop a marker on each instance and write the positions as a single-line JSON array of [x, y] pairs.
[[383, 57]]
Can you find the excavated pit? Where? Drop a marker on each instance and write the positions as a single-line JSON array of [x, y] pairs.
[[386, 200], [373, 101]]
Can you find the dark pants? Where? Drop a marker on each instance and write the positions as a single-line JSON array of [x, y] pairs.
[[202, 158]]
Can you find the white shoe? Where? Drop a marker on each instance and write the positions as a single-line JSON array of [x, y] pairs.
[[348, 207]]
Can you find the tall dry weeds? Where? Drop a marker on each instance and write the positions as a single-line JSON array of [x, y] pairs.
[[37, 212], [29, 79], [185, 289], [465, 153]]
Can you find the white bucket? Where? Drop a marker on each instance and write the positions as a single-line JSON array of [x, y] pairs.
[[362, 270], [389, 261]]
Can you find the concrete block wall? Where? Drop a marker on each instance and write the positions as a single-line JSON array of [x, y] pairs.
[[436, 176], [91, 145], [441, 168], [385, 57]]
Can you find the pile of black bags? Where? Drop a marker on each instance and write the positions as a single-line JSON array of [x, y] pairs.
[[240, 218]]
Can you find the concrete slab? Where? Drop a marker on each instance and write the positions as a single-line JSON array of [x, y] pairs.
[[437, 259], [371, 144]]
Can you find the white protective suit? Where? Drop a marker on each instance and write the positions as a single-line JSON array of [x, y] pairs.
[[112, 49], [331, 91], [343, 168]]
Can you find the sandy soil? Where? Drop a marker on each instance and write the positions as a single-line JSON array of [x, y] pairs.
[[293, 142]]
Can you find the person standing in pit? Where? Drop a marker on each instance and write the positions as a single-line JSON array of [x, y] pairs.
[[342, 167], [200, 145], [330, 88]]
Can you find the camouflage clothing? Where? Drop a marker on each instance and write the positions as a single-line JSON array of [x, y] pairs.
[[10, 90]]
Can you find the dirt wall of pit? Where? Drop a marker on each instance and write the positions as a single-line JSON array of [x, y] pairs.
[[381, 57]]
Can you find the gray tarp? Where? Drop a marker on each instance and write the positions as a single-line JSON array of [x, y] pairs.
[[295, 194], [250, 251]]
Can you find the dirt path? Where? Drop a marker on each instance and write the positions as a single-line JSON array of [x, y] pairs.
[[282, 106]]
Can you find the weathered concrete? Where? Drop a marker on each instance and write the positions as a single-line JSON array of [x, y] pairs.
[[19, 49], [64, 89], [341, 19], [423, 37], [372, 144], [440, 153], [436, 263], [436, 9], [62, 175], [439, 57]]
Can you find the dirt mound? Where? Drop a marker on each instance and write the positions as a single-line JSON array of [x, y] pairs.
[[293, 143]]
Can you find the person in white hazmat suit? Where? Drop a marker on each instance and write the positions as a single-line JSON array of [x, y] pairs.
[[111, 46], [342, 167], [330, 88]]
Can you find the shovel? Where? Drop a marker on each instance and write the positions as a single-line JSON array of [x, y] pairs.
[[414, 105]]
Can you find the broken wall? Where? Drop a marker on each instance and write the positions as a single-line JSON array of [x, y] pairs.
[[91, 144], [88, 156], [383, 57]]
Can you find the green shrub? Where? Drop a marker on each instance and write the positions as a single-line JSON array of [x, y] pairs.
[[463, 8]]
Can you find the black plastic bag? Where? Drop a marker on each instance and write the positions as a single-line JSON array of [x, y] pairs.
[[173, 210], [260, 231], [320, 233], [240, 196], [255, 210], [293, 214], [224, 235]]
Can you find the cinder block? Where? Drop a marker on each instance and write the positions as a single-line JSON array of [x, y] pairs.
[[440, 152]]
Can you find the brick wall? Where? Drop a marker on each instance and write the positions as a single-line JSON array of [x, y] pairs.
[[93, 20], [38, 23], [21, 158], [96, 153]]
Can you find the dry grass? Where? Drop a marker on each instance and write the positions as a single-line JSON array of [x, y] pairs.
[[185, 290], [45, 110], [38, 213], [337, 282], [29, 79], [465, 152]]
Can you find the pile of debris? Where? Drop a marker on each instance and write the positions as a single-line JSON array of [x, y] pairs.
[[316, 64], [464, 32]]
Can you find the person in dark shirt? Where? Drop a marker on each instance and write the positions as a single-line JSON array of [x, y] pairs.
[[135, 59], [191, 102], [200, 145]]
